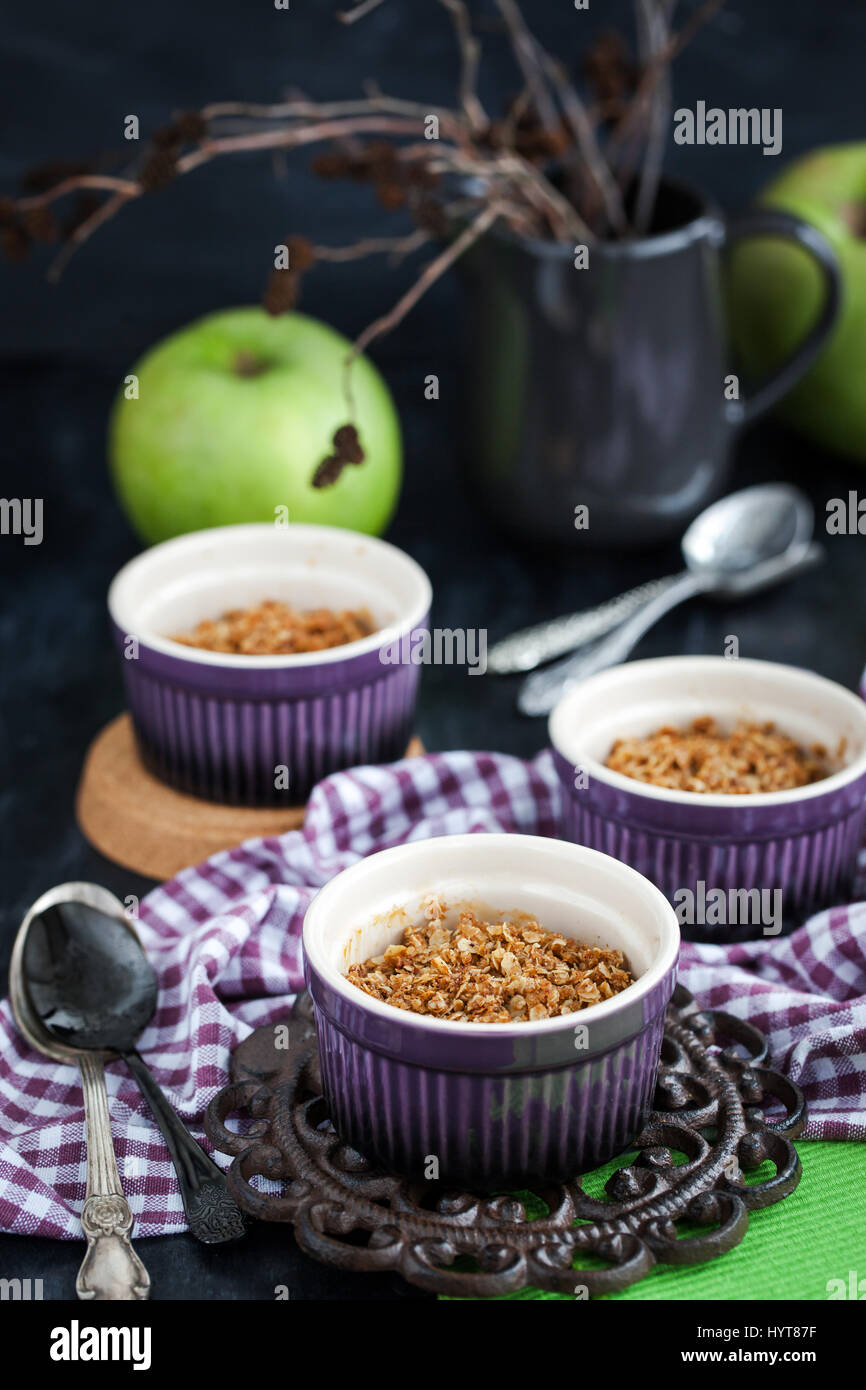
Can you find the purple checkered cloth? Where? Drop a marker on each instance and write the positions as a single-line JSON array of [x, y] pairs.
[[225, 938]]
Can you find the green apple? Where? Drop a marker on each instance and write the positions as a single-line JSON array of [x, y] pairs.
[[776, 291], [228, 419]]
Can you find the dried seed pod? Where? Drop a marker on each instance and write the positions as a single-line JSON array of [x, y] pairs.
[[41, 224], [159, 169], [14, 242]]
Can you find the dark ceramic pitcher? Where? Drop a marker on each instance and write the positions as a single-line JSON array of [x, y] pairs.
[[604, 387]]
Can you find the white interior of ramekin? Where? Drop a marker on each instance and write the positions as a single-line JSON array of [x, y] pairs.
[[175, 585], [642, 696], [568, 888]]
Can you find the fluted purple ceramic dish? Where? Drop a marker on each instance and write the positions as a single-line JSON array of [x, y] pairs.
[[489, 1103], [735, 866], [262, 730]]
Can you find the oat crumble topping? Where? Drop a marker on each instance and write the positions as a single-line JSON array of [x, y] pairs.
[[752, 758], [273, 628], [490, 972]]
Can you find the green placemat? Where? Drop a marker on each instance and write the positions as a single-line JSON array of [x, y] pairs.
[[790, 1251]]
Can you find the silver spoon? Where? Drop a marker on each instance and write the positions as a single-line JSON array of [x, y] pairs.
[[746, 542], [110, 1269], [532, 646], [82, 989]]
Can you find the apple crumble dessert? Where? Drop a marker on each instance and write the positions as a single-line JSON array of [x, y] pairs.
[[273, 628], [490, 972], [752, 758]]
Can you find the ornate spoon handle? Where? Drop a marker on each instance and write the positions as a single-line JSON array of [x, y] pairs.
[[540, 691], [528, 648], [212, 1214], [110, 1269]]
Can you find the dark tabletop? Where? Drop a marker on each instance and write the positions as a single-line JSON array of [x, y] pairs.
[[68, 77]]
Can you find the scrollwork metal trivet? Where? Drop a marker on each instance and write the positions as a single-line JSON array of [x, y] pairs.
[[710, 1105]]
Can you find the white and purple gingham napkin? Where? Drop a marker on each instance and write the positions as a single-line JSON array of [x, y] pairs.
[[225, 939]]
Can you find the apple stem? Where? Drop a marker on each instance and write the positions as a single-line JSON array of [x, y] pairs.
[[248, 365]]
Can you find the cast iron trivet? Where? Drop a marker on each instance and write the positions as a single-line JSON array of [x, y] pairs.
[[708, 1106]]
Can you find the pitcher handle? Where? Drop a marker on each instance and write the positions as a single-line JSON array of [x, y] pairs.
[[771, 222]]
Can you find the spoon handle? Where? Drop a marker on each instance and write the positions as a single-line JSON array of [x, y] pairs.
[[540, 691], [212, 1214], [110, 1269], [532, 646]]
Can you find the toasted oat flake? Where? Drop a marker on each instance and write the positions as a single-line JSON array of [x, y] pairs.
[[752, 758], [272, 628], [490, 972]]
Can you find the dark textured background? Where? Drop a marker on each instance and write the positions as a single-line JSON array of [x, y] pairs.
[[68, 76]]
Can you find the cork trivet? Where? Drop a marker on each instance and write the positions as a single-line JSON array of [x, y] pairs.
[[137, 821]]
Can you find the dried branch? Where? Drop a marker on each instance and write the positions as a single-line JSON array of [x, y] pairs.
[[588, 147], [470, 56], [85, 229], [397, 247], [508, 171], [302, 109], [365, 8], [525, 52], [431, 273], [123, 190], [561, 214], [637, 110], [106, 183], [506, 161], [295, 137], [654, 19]]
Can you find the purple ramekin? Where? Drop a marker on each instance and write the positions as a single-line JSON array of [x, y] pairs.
[[734, 866], [262, 730], [489, 1103]]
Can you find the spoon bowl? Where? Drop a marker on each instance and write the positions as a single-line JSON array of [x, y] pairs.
[[89, 982], [28, 1019], [746, 530]]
